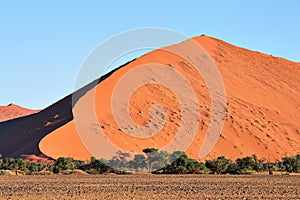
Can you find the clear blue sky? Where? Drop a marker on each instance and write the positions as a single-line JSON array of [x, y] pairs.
[[44, 43]]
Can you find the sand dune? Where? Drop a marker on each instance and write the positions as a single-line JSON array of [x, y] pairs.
[[262, 114], [13, 111], [263, 94]]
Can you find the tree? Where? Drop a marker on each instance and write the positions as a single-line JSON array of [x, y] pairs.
[[245, 164], [9, 164], [162, 160], [232, 168], [218, 165], [78, 163], [95, 167], [175, 155], [270, 167], [20, 164], [151, 156], [292, 164], [183, 165], [32, 167], [280, 165], [63, 163], [150, 150], [120, 160], [13, 164], [258, 163], [139, 162]]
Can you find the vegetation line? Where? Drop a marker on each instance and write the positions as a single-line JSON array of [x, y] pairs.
[[152, 161]]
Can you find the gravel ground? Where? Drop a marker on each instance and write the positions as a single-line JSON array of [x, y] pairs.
[[150, 187]]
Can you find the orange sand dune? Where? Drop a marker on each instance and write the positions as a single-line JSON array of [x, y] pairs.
[[13, 111], [262, 115]]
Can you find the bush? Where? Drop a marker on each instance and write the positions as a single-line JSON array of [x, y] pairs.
[[95, 167], [244, 165], [219, 165], [183, 165], [291, 164]]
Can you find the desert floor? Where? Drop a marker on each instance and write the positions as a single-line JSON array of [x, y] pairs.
[[150, 187]]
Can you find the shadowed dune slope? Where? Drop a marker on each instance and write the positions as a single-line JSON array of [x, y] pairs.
[[262, 115], [20, 137]]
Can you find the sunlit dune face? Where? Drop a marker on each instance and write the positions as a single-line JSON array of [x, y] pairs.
[[140, 104]]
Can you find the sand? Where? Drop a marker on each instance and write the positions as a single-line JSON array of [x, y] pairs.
[[149, 187]]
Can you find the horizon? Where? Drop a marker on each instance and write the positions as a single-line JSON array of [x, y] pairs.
[[42, 52]]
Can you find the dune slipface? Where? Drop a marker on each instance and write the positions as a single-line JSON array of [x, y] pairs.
[[262, 112]]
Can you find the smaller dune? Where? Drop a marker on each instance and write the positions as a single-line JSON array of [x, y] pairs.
[[13, 111]]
